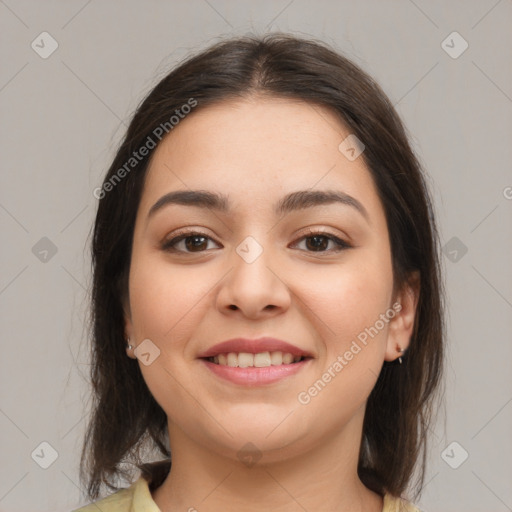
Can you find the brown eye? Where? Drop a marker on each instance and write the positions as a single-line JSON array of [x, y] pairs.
[[319, 242], [192, 242]]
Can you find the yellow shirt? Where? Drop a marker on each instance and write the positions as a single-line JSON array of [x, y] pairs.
[[137, 498]]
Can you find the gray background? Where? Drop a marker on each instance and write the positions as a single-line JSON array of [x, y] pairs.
[[63, 116]]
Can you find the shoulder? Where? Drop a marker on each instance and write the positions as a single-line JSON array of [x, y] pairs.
[[396, 504], [136, 497], [119, 501]]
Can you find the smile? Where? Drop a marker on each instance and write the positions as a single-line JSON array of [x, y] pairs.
[[253, 375], [258, 360]]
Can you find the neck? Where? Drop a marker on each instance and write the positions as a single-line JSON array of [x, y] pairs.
[[323, 478]]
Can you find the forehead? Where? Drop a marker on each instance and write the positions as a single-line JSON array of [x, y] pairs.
[[256, 150]]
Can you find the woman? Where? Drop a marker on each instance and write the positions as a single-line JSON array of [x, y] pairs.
[[267, 302]]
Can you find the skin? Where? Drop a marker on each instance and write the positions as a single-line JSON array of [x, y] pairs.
[[255, 151]]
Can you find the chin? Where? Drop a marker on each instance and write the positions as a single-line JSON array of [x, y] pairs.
[[272, 439]]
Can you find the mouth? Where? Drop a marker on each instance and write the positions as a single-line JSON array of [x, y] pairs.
[[257, 360], [249, 362], [254, 376], [244, 352]]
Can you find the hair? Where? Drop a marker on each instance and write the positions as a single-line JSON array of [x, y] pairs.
[[400, 409]]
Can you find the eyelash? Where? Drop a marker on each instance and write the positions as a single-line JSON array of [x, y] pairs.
[[168, 245]]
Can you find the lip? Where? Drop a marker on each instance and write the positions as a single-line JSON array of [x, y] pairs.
[[265, 344], [253, 376]]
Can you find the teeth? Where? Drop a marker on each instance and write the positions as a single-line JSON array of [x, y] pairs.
[[276, 358], [287, 358], [260, 360], [245, 360]]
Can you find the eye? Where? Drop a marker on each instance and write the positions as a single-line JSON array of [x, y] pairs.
[[193, 241], [320, 240]]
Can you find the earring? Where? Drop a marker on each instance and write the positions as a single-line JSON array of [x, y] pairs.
[[128, 346], [401, 350]]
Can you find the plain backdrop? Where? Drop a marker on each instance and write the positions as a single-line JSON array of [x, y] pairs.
[[63, 114]]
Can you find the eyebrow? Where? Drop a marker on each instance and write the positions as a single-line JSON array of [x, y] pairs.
[[294, 201]]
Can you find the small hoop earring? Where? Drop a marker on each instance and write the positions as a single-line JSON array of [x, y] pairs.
[[401, 350]]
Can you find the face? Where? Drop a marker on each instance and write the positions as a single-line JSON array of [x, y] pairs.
[[315, 274]]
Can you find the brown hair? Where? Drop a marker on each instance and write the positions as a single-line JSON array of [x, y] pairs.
[[400, 409]]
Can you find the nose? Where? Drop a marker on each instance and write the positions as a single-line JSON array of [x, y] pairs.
[[255, 286]]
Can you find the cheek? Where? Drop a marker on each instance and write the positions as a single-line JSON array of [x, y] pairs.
[[349, 302], [350, 297], [166, 305], [165, 298], [353, 343]]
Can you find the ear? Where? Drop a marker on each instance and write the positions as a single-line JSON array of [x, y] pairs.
[[402, 324]]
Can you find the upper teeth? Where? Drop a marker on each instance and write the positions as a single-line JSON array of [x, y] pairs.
[[259, 360]]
